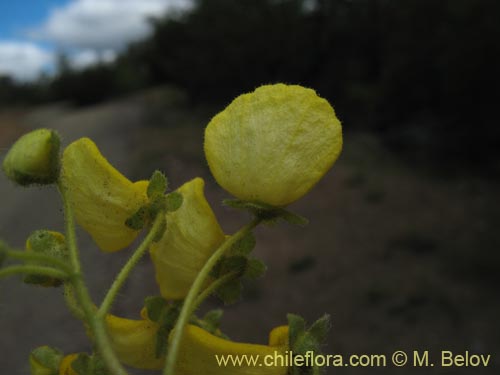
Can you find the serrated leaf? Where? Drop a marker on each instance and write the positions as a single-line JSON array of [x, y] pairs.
[[319, 329], [138, 220], [230, 292], [173, 201], [255, 268], [296, 328], [155, 307], [244, 246], [157, 185]]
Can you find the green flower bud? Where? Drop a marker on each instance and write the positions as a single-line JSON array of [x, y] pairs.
[[48, 243], [34, 158], [45, 360]]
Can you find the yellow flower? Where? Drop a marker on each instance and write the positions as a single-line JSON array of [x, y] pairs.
[[198, 351], [192, 235], [274, 144], [102, 198], [134, 344]]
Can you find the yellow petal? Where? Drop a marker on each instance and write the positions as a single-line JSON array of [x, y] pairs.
[[274, 144], [102, 198], [198, 351], [192, 235], [134, 342], [65, 366]]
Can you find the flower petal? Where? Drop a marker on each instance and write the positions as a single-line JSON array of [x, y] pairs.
[[192, 235], [274, 144], [102, 198], [134, 342], [198, 351]]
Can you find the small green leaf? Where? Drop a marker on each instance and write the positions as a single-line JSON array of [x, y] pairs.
[[173, 201], [45, 360], [155, 307], [230, 292], [245, 245], [213, 317], [293, 218], [138, 220], [296, 328], [319, 329], [236, 264], [157, 185], [255, 268], [82, 365]]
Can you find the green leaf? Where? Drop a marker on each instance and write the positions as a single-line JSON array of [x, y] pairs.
[[173, 201], [293, 218], [296, 328], [319, 329], [230, 292], [155, 307], [255, 268], [157, 185], [45, 357], [244, 246], [214, 317], [82, 365], [138, 220]]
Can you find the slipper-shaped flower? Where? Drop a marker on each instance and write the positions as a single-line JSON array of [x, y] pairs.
[[134, 344], [274, 144], [102, 198], [192, 235]]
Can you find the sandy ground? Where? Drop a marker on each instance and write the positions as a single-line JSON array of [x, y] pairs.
[[400, 259]]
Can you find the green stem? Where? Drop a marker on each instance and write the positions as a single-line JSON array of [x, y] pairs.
[[96, 325], [32, 269], [32, 256], [131, 263], [72, 302], [216, 284], [189, 302]]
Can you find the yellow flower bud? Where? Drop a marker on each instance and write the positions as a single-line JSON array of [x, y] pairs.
[[274, 144], [34, 158], [134, 343], [65, 366], [192, 235], [102, 198]]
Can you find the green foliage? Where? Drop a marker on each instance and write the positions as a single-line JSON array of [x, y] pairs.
[[45, 360], [89, 365]]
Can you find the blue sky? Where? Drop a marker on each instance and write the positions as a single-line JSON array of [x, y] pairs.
[[88, 31]]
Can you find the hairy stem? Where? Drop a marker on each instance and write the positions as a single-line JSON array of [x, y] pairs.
[[129, 266], [96, 325], [43, 258], [32, 269], [189, 302]]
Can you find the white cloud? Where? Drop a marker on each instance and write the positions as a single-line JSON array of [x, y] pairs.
[[23, 60], [88, 57], [103, 24]]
